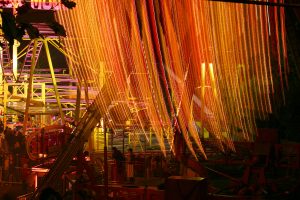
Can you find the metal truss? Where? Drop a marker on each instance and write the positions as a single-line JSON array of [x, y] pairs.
[[32, 91]]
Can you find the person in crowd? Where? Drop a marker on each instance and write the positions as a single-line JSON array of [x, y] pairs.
[[119, 158], [1, 164], [1, 126], [9, 137], [8, 196], [18, 151], [49, 194], [11, 168], [130, 166], [2, 152]]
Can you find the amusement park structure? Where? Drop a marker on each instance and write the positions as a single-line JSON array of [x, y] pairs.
[[183, 83]]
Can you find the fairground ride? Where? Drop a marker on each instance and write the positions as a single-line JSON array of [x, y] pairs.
[[186, 70]]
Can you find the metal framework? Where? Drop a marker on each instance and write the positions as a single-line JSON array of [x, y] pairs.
[[31, 90]]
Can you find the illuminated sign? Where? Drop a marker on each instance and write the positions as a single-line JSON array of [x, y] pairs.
[[35, 4]]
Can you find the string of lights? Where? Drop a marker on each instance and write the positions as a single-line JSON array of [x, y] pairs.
[[206, 65]]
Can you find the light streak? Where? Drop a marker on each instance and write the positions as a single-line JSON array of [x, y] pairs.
[[213, 54]]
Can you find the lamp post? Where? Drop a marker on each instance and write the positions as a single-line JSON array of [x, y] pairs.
[[105, 162]]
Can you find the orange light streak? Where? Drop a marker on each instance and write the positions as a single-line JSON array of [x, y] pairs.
[[216, 61]]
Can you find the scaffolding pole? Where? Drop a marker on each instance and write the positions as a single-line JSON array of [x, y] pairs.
[[54, 80]]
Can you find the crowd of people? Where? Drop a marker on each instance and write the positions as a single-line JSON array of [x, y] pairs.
[[124, 165], [12, 152], [130, 165]]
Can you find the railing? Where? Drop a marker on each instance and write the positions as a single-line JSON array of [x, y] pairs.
[[118, 192], [24, 197], [76, 141], [149, 164], [13, 168]]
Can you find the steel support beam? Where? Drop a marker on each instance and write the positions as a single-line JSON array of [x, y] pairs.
[[30, 82], [54, 80]]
